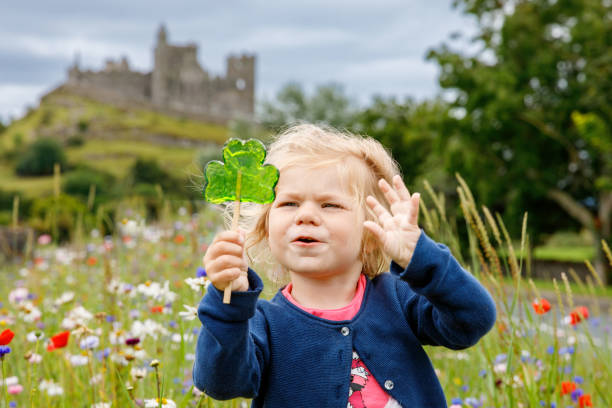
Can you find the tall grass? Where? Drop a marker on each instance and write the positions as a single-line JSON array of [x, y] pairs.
[[132, 340], [529, 359]]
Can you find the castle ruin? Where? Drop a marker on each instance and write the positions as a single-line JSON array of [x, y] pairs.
[[178, 85]]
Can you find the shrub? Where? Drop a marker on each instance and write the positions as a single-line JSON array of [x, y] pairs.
[[105, 219], [6, 199], [79, 182], [46, 117], [56, 215], [6, 217], [17, 140], [75, 141], [10, 153], [6, 206], [83, 125], [151, 199], [147, 171], [40, 157]]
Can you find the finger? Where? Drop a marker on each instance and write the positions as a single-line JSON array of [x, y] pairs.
[[398, 197], [401, 189], [381, 212], [223, 262], [389, 193], [375, 229], [226, 248], [223, 278], [229, 261], [241, 284], [414, 214], [224, 242]]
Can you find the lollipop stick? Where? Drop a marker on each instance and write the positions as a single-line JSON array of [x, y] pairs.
[[227, 293]]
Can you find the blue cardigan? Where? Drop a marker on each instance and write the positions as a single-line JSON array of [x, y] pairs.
[[282, 356]]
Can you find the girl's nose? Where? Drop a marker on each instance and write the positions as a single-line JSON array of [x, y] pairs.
[[307, 214]]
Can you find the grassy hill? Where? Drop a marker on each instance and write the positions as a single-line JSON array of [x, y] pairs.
[[107, 138]]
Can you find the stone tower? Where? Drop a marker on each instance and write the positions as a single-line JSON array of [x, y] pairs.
[[241, 72], [160, 74]]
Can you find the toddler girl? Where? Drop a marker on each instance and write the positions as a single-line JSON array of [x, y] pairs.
[[367, 288]]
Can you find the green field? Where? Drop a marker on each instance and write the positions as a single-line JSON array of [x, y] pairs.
[[111, 139], [142, 280], [62, 114]]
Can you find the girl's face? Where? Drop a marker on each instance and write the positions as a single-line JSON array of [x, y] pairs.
[[315, 224]]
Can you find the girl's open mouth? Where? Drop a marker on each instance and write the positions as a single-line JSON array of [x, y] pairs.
[[306, 241]]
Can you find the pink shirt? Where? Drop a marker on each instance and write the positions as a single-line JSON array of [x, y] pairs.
[[364, 392]]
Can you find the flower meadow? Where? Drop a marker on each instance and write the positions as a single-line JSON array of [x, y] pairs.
[[110, 321]]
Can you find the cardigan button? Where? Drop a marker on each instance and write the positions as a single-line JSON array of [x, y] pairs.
[[389, 385], [345, 331]]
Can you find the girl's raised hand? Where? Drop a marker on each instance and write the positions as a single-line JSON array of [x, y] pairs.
[[225, 261], [397, 231]]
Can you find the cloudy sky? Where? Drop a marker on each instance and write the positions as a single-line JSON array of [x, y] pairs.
[[370, 47]]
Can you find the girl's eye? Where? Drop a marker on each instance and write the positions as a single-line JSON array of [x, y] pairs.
[[331, 205], [287, 204]]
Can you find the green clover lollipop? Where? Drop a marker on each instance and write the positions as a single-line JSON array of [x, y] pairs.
[[241, 178]]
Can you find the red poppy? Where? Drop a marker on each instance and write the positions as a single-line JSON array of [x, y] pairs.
[[6, 336], [585, 401], [157, 309], [578, 314], [567, 387], [179, 239], [59, 341], [126, 239], [92, 261], [542, 306]]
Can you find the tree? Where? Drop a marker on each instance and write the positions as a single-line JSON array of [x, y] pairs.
[[40, 158], [410, 130], [80, 181], [542, 67], [148, 171], [328, 105]]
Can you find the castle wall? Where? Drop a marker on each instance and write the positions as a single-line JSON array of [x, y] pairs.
[[178, 85], [112, 86]]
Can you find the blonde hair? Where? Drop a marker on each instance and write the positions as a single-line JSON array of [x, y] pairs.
[[361, 162]]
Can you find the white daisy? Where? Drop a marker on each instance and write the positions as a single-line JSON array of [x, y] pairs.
[[189, 313]]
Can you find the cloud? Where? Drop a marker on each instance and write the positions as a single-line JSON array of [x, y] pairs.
[[265, 39], [369, 48], [91, 51], [390, 77], [389, 70], [16, 98]]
